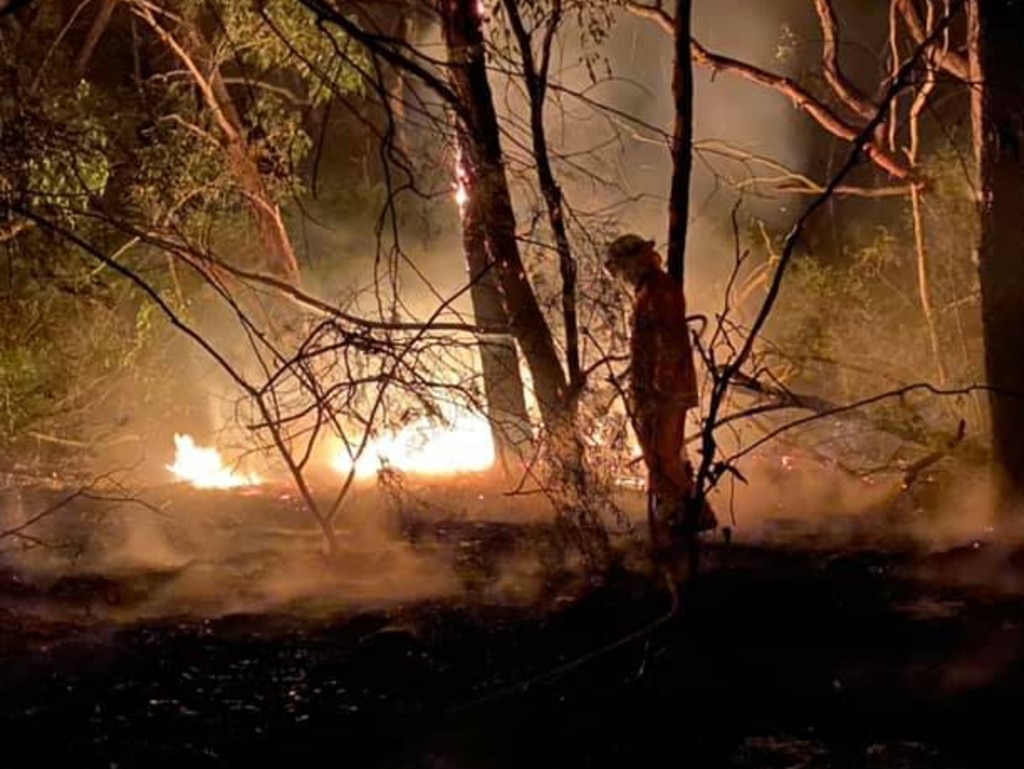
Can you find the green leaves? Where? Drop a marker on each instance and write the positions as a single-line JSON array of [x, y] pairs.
[[53, 147]]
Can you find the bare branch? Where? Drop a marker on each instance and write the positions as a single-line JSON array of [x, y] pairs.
[[175, 320], [802, 99], [849, 94], [310, 302], [201, 80], [953, 63], [785, 179], [738, 359], [855, 406]]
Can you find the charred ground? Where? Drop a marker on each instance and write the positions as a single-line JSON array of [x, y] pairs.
[[780, 656]]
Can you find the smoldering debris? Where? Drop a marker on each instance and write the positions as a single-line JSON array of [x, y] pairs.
[[791, 499], [177, 551], [213, 553]]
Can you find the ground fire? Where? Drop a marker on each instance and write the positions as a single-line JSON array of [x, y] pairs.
[[204, 468], [369, 371], [455, 444]]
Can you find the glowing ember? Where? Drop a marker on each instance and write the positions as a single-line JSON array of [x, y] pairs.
[[461, 444], [461, 195], [204, 468], [461, 183]]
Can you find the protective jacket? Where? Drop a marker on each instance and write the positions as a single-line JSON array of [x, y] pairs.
[[662, 358]]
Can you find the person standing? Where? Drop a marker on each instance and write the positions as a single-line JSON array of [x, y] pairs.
[[663, 385]]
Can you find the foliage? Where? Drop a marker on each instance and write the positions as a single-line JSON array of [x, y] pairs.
[[53, 142], [70, 337], [131, 149], [159, 144], [279, 67], [851, 325]]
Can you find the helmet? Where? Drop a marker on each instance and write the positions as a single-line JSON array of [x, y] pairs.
[[629, 250]]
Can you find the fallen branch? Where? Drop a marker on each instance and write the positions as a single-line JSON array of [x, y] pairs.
[[859, 404], [783, 398]]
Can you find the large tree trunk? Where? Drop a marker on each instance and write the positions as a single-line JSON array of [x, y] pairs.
[[499, 359], [464, 39], [556, 399], [996, 41]]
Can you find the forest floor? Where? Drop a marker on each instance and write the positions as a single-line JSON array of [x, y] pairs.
[[784, 656]]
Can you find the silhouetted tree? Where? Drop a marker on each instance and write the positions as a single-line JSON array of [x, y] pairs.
[[996, 32]]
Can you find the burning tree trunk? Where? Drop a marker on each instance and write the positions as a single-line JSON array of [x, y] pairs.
[[499, 360], [464, 88], [479, 125], [556, 395], [996, 29], [467, 92]]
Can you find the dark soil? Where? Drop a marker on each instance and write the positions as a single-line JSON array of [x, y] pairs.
[[779, 659]]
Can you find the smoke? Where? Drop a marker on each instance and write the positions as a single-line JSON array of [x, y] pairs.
[[235, 560], [357, 261], [727, 110], [181, 552], [793, 500]]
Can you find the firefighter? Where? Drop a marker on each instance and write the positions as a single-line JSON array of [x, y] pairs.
[[663, 385]]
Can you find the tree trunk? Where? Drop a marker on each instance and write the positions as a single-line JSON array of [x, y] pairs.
[[499, 359], [535, 75], [678, 224], [557, 401], [996, 44], [99, 25], [266, 213], [682, 142], [464, 39]]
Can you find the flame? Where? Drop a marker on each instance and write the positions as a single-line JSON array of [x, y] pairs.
[[459, 442], [461, 183], [204, 468], [461, 195]]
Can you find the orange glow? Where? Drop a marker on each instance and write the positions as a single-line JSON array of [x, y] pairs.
[[459, 443], [461, 195], [461, 183], [204, 468]]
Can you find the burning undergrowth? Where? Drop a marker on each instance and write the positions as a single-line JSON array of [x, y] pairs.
[[428, 516]]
